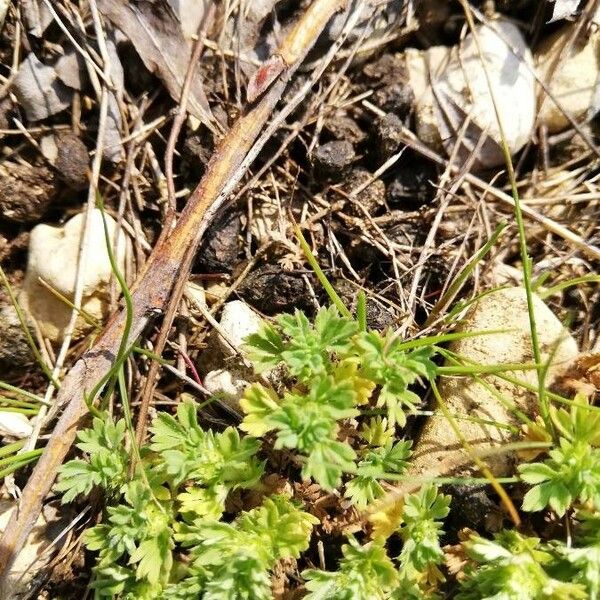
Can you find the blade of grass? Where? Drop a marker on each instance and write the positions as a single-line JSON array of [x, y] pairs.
[[433, 340], [123, 351], [361, 310], [461, 306], [23, 321], [485, 471], [21, 392], [463, 275], [560, 287], [11, 448], [525, 259], [18, 458], [312, 261], [473, 369], [15, 466]]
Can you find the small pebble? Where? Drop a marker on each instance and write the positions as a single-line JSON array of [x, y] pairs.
[[333, 158], [72, 161], [272, 290], [389, 135], [371, 198], [26, 191]]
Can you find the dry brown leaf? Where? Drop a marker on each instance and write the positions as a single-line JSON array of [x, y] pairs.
[[39, 91], [37, 16], [455, 559], [158, 38], [583, 377]]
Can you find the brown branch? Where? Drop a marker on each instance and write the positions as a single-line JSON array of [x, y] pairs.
[[152, 289], [171, 310]]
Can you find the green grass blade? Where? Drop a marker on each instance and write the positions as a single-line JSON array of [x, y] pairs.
[[333, 295], [463, 275], [361, 310], [23, 321]]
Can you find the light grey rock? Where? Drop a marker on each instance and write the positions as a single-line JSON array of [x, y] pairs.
[[53, 257], [574, 81], [14, 425], [438, 450], [15, 353], [238, 321], [450, 85]]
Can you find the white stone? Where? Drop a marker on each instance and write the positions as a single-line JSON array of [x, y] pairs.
[[450, 85], [53, 257], [438, 450], [14, 425], [574, 81], [238, 321], [228, 386]]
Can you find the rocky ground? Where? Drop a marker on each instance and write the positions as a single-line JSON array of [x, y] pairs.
[[391, 161]]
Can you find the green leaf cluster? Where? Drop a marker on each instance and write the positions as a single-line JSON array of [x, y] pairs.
[[137, 532], [421, 529], [183, 480], [337, 372], [512, 567], [571, 473], [233, 560], [378, 463], [211, 464], [366, 571], [106, 467]]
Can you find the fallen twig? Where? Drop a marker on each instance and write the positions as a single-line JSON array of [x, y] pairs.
[[165, 265]]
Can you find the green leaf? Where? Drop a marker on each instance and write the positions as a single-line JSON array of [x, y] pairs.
[[363, 491], [421, 529], [513, 567], [376, 431], [104, 435], [234, 559], [384, 362], [308, 349], [378, 463], [76, 478], [259, 403], [153, 557], [107, 465], [264, 348], [202, 502], [217, 463], [585, 563], [327, 461], [570, 473]]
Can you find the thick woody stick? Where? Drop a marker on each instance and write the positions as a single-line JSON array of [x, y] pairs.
[[166, 263]]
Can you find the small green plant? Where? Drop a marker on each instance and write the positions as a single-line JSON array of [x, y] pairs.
[[512, 567], [163, 535], [233, 560], [106, 467], [367, 572], [377, 463], [171, 530], [571, 473], [210, 465], [176, 497], [339, 372], [364, 572]]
